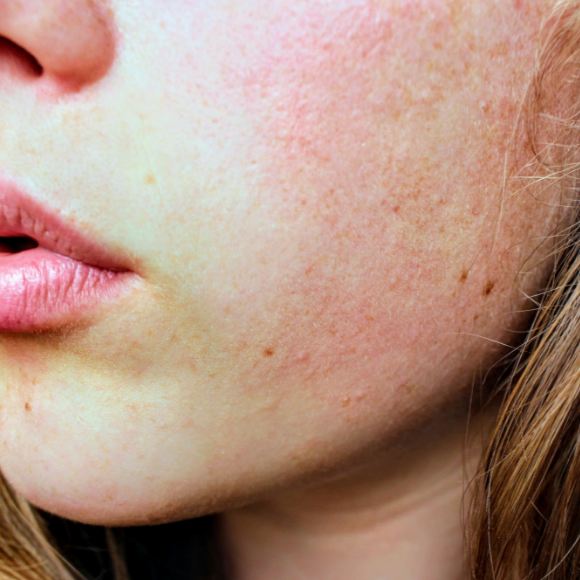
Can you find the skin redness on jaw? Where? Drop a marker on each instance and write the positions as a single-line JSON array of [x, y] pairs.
[[350, 119], [325, 184]]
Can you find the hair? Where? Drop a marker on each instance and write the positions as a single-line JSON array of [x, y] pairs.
[[525, 517], [26, 552]]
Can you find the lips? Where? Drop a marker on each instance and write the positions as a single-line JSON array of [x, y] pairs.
[[50, 274]]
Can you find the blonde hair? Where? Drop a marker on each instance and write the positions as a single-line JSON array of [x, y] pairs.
[[27, 551], [525, 521]]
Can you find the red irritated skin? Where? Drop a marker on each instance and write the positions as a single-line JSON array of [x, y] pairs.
[[307, 195], [51, 284]]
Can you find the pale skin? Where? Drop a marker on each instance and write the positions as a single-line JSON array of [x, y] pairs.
[[312, 192]]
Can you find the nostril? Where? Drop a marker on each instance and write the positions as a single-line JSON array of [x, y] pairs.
[[16, 244], [17, 60]]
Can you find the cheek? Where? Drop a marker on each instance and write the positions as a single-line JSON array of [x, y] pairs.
[[331, 85], [311, 82], [370, 122], [353, 93]]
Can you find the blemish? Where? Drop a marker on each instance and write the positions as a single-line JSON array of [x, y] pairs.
[[396, 209], [268, 352], [302, 357], [345, 402], [488, 288], [361, 395], [27, 407], [150, 179]]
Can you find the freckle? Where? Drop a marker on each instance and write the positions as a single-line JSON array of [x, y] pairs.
[[410, 388], [488, 288], [475, 317], [369, 317], [268, 352], [150, 179], [396, 209], [464, 275], [27, 407]]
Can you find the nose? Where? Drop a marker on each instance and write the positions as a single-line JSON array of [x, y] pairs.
[[70, 41]]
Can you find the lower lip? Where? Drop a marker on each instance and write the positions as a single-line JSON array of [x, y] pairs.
[[41, 290]]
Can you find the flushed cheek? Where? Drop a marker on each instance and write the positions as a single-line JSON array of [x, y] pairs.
[[361, 96], [324, 82], [343, 107], [363, 123], [369, 118], [321, 84], [309, 70]]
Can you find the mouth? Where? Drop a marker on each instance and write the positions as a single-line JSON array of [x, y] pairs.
[[50, 273]]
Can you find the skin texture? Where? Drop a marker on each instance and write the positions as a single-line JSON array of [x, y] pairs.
[[312, 194]]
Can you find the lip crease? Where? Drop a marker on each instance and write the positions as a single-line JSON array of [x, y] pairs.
[[59, 276]]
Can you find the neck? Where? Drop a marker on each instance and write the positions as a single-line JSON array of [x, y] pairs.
[[390, 519]]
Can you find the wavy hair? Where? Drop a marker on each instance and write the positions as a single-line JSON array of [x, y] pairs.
[[525, 519]]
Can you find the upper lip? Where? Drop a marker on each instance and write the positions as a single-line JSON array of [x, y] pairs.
[[23, 216]]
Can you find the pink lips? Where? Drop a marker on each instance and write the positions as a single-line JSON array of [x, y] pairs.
[[54, 283]]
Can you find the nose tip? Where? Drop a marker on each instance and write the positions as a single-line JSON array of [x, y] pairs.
[[71, 40]]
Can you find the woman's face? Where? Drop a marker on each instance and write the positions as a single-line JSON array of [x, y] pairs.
[[310, 192]]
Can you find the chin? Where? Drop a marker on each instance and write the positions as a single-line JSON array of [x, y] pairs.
[[112, 503]]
